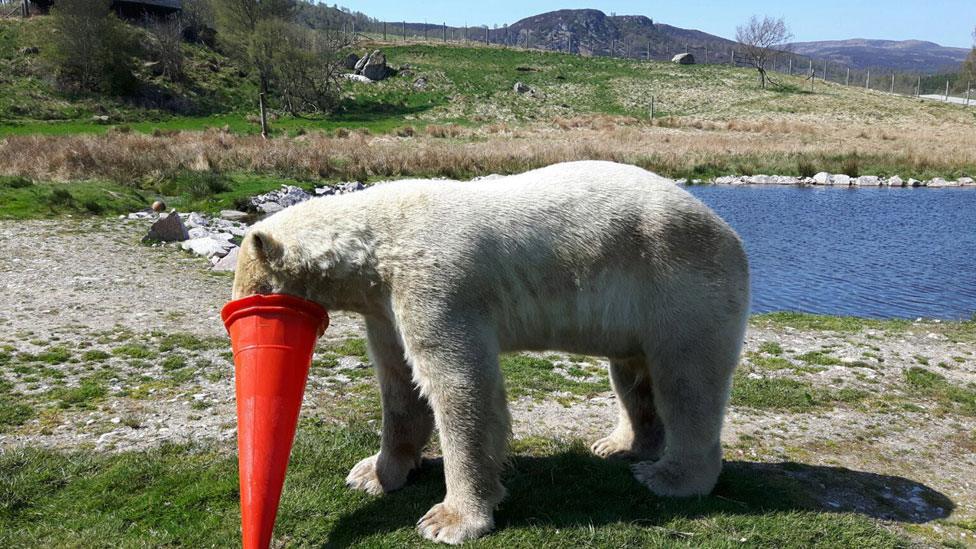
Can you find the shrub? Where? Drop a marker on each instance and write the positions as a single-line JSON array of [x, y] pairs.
[[90, 49]]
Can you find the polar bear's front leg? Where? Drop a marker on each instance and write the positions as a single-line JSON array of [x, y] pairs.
[[407, 418], [463, 381]]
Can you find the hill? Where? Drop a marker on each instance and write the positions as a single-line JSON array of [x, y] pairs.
[[905, 55]]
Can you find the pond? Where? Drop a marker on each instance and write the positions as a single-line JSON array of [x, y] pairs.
[[879, 253]]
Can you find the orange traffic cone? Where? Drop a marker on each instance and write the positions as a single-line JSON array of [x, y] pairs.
[[273, 337]]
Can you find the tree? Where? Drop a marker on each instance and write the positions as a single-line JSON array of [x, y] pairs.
[[90, 49], [969, 65], [305, 65], [760, 40], [238, 22]]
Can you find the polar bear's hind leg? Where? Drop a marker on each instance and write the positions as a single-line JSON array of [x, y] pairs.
[[639, 432]]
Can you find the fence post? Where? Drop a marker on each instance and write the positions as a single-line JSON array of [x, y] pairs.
[[425, 31], [384, 31], [404, 31], [847, 81], [791, 65], [648, 50], [825, 71], [918, 87], [652, 107], [445, 31], [947, 91], [732, 62], [867, 81], [706, 54], [892, 83], [813, 74], [969, 89], [487, 36]]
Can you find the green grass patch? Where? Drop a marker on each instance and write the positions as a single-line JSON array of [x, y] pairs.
[[769, 362], [133, 350], [95, 355], [89, 392], [772, 393], [39, 200], [353, 346], [559, 496], [771, 348], [13, 411], [819, 358], [537, 377], [846, 324], [935, 386]]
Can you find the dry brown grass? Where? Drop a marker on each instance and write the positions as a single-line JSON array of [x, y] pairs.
[[672, 147]]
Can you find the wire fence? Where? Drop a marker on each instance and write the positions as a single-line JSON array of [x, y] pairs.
[[945, 87]]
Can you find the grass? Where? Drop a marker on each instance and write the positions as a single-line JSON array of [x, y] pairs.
[[923, 382], [775, 393], [845, 324], [13, 412], [537, 377], [559, 495]]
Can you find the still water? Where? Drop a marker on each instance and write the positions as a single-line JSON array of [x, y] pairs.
[[882, 253]]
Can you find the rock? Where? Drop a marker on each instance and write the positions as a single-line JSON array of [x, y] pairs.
[[100, 118], [207, 246], [350, 61], [683, 59], [30, 50], [821, 178], [967, 181], [196, 220], [895, 181], [168, 228], [357, 78], [521, 87], [420, 83], [868, 181], [375, 67], [270, 208], [198, 232], [229, 261], [350, 187], [406, 73], [725, 180], [158, 206], [937, 182], [140, 215], [232, 215], [912, 182], [358, 67], [324, 191], [841, 180]]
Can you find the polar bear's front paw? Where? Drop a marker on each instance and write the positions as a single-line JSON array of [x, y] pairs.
[[677, 478], [444, 524], [374, 478], [612, 447]]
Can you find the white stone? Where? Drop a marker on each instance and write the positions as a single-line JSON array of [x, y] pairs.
[[207, 246], [228, 263], [840, 179], [821, 178], [868, 181], [895, 181]]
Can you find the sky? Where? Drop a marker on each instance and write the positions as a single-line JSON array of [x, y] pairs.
[[946, 22]]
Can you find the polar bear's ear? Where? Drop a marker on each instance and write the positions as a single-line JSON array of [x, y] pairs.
[[266, 249]]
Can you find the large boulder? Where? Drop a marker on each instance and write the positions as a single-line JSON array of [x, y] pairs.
[[168, 228], [521, 87], [821, 178], [350, 61], [228, 262], [375, 67], [683, 59], [895, 181]]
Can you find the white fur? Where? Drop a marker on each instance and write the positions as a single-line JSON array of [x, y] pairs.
[[585, 257]]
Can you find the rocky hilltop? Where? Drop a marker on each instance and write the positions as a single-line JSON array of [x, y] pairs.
[[592, 32]]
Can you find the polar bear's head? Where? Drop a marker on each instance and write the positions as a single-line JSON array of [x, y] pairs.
[[320, 262]]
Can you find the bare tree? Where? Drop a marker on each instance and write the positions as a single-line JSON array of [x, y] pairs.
[[760, 39], [969, 65]]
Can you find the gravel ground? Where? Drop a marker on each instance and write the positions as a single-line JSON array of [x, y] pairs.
[[112, 345]]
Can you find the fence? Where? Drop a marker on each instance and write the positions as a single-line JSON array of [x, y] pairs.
[[950, 88]]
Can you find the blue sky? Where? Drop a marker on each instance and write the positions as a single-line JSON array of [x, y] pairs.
[[947, 22]]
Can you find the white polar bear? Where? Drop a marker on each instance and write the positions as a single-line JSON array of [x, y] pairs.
[[593, 258]]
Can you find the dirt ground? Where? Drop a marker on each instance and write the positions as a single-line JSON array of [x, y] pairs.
[[113, 345]]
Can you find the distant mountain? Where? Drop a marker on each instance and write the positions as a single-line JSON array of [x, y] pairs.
[[905, 55], [592, 32]]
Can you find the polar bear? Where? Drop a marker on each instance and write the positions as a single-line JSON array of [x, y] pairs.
[[587, 257]]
